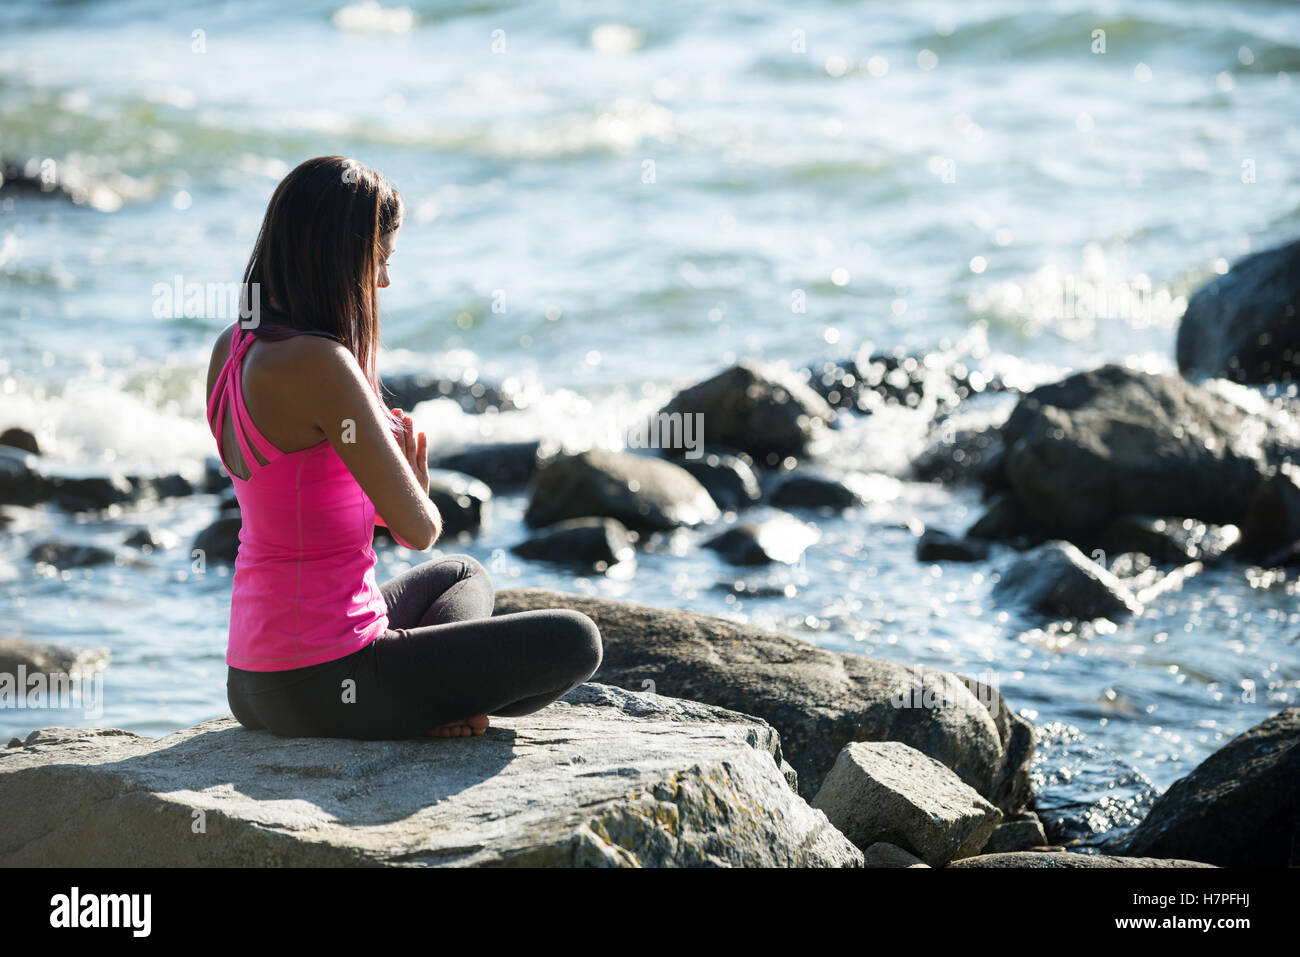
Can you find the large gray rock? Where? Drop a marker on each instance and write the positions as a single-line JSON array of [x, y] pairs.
[[640, 491], [504, 466], [1114, 441], [604, 777], [1054, 860], [463, 501], [1058, 581], [774, 538], [1272, 523], [595, 543], [818, 700], [886, 791], [39, 657], [1238, 808], [1244, 325], [758, 408], [1019, 835]]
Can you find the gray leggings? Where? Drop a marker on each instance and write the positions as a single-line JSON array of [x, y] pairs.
[[443, 658]]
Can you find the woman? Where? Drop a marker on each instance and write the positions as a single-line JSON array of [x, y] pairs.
[[317, 647]]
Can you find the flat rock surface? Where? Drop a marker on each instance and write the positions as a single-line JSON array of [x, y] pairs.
[[604, 777]]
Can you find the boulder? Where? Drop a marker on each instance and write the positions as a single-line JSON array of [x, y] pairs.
[[884, 854], [1272, 521], [887, 791], [504, 466], [603, 778], [1059, 581], [819, 700], [960, 456], [759, 408], [19, 438], [937, 546], [1244, 325], [219, 542], [39, 657], [643, 493], [409, 389], [1113, 441], [1019, 835], [778, 538], [1238, 808], [70, 554], [1168, 541], [728, 478], [595, 543], [811, 488], [463, 501], [1055, 860], [152, 539]]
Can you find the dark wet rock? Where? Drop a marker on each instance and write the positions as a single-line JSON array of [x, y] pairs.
[[759, 408], [1244, 325], [729, 479], [964, 455], [220, 540], [643, 493], [151, 539], [70, 554], [90, 493], [1054, 860], [819, 700], [1168, 541], [1058, 580], [597, 543], [169, 485], [20, 439], [1010, 786], [21, 482], [228, 505], [1005, 520], [464, 502], [215, 476], [884, 854], [808, 488], [409, 389], [887, 791], [1016, 835], [937, 546], [778, 538], [1272, 521], [39, 657], [602, 778], [1238, 808], [38, 176], [1112, 442], [504, 466]]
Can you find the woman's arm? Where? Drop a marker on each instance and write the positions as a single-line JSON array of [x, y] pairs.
[[416, 448], [396, 477]]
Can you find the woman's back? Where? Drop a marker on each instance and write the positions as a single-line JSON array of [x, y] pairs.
[[304, 588]]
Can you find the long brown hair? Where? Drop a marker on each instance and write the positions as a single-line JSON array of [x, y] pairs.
[[317, 256]]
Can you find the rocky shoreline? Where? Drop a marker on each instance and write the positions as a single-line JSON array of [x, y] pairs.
[[1102, 491]]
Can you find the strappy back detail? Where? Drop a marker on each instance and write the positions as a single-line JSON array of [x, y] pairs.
[[304, 589], [229, 390]]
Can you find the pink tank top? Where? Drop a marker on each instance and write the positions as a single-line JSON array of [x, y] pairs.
[[304, 588]]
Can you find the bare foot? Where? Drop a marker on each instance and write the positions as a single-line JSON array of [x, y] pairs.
[[461, 729]]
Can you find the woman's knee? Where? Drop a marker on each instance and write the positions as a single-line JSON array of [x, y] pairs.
[[579, 642]]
